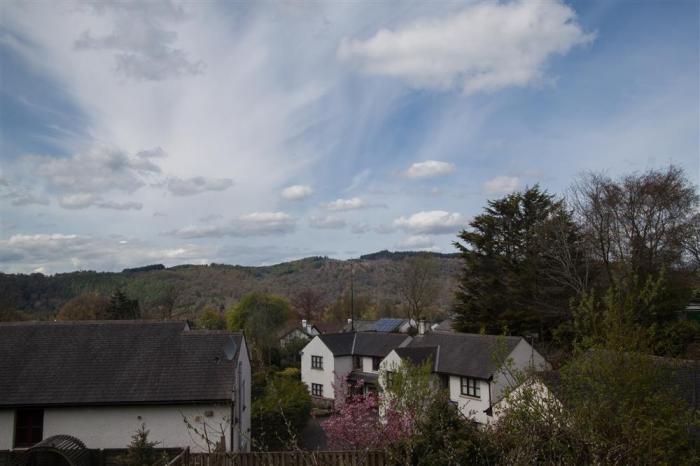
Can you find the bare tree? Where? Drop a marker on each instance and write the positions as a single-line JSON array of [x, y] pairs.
[[309, 304], [691, 241], [636, 224], [418, 285]]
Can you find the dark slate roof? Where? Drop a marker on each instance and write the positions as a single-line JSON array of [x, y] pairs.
[[113, 362], [340, 344], [359, 326], [362, 343], [329, 327], [466, 354], [418, 355]]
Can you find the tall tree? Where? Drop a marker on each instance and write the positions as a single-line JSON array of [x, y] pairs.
[[308, 304], [122, 307], [505, 251], [260, 316], [418, 285], [637, 224]]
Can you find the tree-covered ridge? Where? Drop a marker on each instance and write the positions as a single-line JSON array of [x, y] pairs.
[[186, 290]]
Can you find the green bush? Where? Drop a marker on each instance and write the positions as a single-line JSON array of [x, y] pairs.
[[279, 416]]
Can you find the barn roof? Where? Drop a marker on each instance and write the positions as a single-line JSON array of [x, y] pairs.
[[113, 362]]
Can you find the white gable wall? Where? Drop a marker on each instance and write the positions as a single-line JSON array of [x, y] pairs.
[[331, 367], [469, 406], [524, 357]]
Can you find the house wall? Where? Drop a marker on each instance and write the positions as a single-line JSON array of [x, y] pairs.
[[242, 434], [324, 376], [7, 426], [367, 365], [524, 357], [471, 407], [113, 426]]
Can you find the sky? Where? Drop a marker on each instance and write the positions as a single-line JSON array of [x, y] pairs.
[[134, 133]]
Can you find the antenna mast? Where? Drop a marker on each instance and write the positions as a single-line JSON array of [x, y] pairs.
[[352, 297]]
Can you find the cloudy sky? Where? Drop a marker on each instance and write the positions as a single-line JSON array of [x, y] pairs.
[[197, 132]]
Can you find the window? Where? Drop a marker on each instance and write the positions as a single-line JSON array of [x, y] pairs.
[[357, 362], [470, 387], [316, 389], [445, 382], [29, 427], [317, 362], [375, 363]]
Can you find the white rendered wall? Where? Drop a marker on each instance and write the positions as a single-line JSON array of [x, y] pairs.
[[7, 427], [471, 407], [324, 376], [112, 427], [524, 358], [244, 428], [367, 364]]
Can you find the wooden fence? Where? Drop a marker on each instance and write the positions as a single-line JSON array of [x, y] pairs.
[[292, 458]]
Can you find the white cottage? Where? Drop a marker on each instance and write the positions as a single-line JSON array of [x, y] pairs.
[[329, 358], [466, 365], [99, 381]]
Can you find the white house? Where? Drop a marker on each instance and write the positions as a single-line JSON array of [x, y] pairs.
[[329, 358], [291, 332], [99, 381], [467, 366]]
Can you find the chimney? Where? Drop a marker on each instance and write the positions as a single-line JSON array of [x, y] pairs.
[[303, 324], [350, 322], [421, 327]]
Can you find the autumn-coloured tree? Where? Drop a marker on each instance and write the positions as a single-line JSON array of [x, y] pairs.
[[89, 306]]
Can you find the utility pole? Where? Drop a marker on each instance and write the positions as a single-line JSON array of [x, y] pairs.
[[352, 296]]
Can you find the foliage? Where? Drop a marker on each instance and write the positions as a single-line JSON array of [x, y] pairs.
[[280, 414], [289, 353], [444, 437], [89, 306], [141, 451], [260, 316], [121, 307], [504, 253], [211, 319]]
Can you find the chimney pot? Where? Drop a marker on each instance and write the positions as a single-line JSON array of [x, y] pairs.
[[421, 327]]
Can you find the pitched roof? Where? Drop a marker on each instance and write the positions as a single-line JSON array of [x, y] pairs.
[[466, 354], [362, 343], [329, 327], [113, 362], [388, 324], [418, 355]]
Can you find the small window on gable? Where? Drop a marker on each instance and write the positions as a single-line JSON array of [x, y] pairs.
[[317, 362], [29, 427], [470, 387]]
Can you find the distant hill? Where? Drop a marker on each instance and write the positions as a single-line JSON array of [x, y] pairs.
[[184, 290]]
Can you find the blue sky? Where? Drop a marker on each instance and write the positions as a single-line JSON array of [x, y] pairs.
[[137, 133]]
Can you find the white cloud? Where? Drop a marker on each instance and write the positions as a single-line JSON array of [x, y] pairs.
[[97, 170], [327, 222], [70, 251], [502, 185], [429, 169], [197, 185], [416, 242], [254, 224], [485, 47], [354, 203], [20, 196], [85, 200], [296, 192], [143, 48], [431, 222]]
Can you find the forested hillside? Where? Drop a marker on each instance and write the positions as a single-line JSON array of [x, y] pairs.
[[186, 290]]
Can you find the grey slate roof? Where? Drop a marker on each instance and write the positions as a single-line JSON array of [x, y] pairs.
[[466, 354], [362, 343], [113, 363], [418, 355]]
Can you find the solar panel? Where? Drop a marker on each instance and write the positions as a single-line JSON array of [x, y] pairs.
[[387, 325]]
